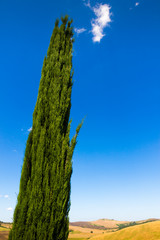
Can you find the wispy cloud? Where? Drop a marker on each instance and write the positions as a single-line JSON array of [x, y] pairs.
[[6, 196], [87, 4], [79, 30], [30, 129], [9, 209], [102, 20], [137, 4]]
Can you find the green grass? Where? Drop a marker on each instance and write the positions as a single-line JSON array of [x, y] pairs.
[[4, 229]]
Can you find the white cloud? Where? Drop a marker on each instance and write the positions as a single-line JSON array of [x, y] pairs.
[[0, 196], [9, 209], [137, 4], [6, 196], [79, 30], [103, 14], [102, 20], [14, 150], [30, 129]]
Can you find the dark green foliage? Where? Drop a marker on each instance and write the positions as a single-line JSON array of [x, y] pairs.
[[44, 197], [124, 225]]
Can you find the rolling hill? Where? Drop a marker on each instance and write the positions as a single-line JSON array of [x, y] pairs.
[[141, 230], [146, 231]]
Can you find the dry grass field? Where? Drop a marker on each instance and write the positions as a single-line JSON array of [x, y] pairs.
[[81, 233], [144, 231]]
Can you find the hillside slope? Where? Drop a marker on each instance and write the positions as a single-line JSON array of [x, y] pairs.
[[147, 231]]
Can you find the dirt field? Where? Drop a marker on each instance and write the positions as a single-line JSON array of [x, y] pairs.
[[88, 225], [4, 235]]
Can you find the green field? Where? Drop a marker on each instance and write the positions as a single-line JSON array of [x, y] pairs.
[[3, 229]]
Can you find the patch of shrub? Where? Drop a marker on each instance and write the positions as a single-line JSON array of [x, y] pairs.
[[124, 225]]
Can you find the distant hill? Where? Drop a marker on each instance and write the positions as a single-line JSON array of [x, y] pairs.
[[87, 225], [108, 224]]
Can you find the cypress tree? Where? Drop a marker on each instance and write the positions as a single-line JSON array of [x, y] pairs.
[[43, 201]]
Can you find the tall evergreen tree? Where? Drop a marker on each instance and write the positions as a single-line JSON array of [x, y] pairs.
[[43, 202]]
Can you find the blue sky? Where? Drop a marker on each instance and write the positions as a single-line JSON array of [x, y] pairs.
[[116, 86]]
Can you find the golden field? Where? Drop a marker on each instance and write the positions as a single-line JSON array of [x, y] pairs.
[[146, 231]]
